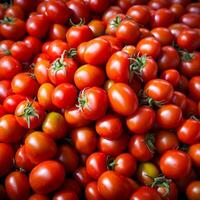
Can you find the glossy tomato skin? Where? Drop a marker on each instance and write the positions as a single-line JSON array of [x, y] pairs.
[[109, 126], [112, 186], [172, 76], [6, 158], [34, 44], [39, 147], [17, 186], [123, 99], [44, 183], [141, 121], [190, 19], [97, 26], [89, 76], [38, 197], [194, 90], [5, 46], [175, 164], [193, 190], [10, 130], [98, 6], [57, 32], [65, 194], [189, 131], [93, 102], [5, 89], [194, 154]]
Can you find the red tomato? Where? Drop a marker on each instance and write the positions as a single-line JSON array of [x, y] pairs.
[[5, 90], [44, 183], [38, 197], [17, 186], [175, 164], [190, 19], [57, 32], [97, 26], [172, 76], [5, 46], [193, 190], [194, 88], [34, 44], [15, 11], [193, 152], [98, 6], [65, 194]]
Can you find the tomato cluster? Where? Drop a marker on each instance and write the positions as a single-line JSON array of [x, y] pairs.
[[100, 100]]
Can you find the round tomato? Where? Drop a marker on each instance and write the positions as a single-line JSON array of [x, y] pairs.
[[38, 197], [194, 88], [193, 152], [172, 76], [65, 194], [57, 32], [193, 190]]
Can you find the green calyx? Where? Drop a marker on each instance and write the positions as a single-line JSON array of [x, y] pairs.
[[5, 51], [80, 23], [82, 100], [186, 56], [150, 141], [110, 163], [116, 22], [7, 20]]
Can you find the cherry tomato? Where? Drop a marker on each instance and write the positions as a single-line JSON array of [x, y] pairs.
[[193, 190], [57, 32], [5, 90], [190, 19], [38, 197], [194, 85], [172, 76], [193, 152]]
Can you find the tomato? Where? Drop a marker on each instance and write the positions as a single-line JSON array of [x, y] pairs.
[[40, 57], [159, 90], [57, 32], [193, 190], [172, 76], [82, 177], [179, 99], [10, 130], [65, 194], [29, 114], [2, 111], [175, 164], [27, 5], [41, 71], [125, 164], [92, 191], [146, 172], [89, 76], [189, 40], [98, 27], [21, 51], [95, 49], [169, 116], [34, 44], [157, 4], [44, 183], [64, 95], [190, 67], [5, 89], [190, 19], [177, 9], [9, 67], [113, 147], [194, 88], [163, 35], [6, 158], [168, 59], [84, 139], [12, 28], [98, 6], [37, 25], [74, 117], [38, 197], [142, 147], [17, 186], [149, 46], [193, 8], [162, 17], [93, 102], [191, 107], [96, 164], [44, 92], [123, 99], [189, 131], [21, 159], [128, 32], [193, 152], [139, 14], [109, 126], [78, 34], [54, 125], [110, 12], [79, 11], [57, 11], [111, 186], [15, 11], [21, 84], [165, 140], [5, 46], [69, 157], [141, 121]]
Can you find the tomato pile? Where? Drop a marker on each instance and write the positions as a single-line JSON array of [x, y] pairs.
[[100, 100]]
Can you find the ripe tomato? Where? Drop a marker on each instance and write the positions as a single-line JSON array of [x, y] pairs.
[[65, 194], [194, 88], [57, 32], [194, 154], [10, 130], [39, 147], [69, 157], [27, 5], [93, 103], [98, 6], [15, 11], [141, 121], [34, 44], [157, 4], [44, 183], [165, 140], [123, 99], [189, 131], [172, 76], [2, 111], [112, 185], [29, 114], [5, 46], [89, 76], [17, 186], [64, 95], [22, 161], [142, 147], [97, 26], [38, 197], [5, 90], [25, 84], [6, 158], [190, 19], [84, 139], [193, 190], [9, 67], [149, 46], [175, 164], [109, 126], [54, 125]]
